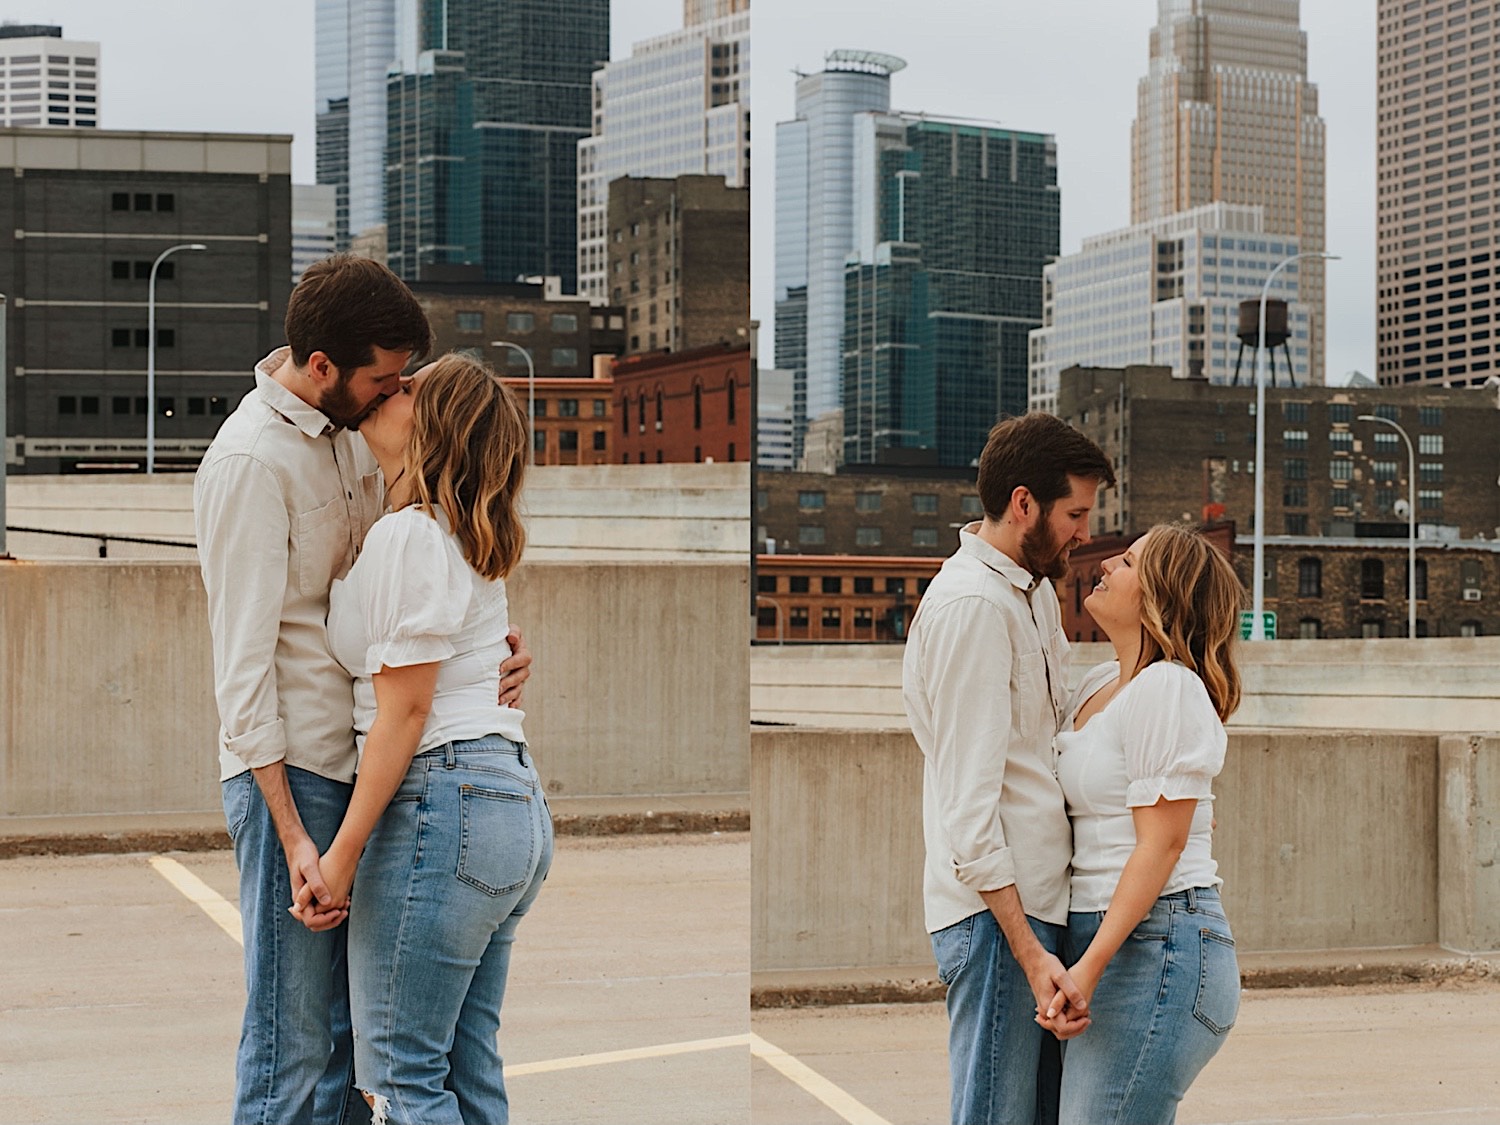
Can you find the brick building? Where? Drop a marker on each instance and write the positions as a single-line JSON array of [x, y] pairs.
[[1186, 450], [864, 513], [562, 333], [679, 262], [683, 406], [572, 420], [838, 597]]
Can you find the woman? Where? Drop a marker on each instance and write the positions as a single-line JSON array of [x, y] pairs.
[[448, 828], [1155, 958]]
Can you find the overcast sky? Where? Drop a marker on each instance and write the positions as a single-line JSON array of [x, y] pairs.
[[1070, 68], [234, 65]]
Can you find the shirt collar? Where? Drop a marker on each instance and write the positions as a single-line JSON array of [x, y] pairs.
[[309, 419], [1002, 564]]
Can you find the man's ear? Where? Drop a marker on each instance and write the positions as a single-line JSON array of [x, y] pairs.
[[321, 369], [1021, 503]]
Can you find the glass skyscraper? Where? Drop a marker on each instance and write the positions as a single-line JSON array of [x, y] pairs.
[[484, 115], [954, 222], [679, 105], [356, 45]]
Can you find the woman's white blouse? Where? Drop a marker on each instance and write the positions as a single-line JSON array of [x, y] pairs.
[[1158, 737], [412, 598]]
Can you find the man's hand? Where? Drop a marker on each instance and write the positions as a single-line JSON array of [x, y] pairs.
[[1062, 1005], [313, 903], [515, 669]]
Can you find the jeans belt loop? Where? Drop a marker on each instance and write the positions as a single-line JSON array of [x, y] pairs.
[[521, 753], [1192, 900], [450, 756]]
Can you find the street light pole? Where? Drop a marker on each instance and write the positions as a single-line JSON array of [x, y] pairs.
[[1258, 585], [4, 431], [530, 393], [1411, 521], [151, 351]]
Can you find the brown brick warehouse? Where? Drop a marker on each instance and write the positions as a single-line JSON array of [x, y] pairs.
[[1184, 450]]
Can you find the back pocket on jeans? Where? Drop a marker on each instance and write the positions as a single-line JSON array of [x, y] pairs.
[[951, 947], [498, 849], [1218, 1001]]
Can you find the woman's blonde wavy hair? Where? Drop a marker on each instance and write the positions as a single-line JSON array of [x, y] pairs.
[[1190, 610], [467, 458]]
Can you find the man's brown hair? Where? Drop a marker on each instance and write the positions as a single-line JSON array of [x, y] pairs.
[[347, 306], [1038, 452]]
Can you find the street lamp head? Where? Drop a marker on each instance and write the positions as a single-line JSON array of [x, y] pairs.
[[196, 246]]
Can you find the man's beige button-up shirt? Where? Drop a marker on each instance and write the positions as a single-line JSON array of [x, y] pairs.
[[984, 681], [281, 504]]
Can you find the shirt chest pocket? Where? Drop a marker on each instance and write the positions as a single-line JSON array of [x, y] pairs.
[[1028, 693], [320, 546]]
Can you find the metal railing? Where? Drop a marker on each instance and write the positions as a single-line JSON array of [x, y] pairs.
[[104, 539]]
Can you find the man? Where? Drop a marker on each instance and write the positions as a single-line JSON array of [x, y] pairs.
[[985, 686], [281, 504]]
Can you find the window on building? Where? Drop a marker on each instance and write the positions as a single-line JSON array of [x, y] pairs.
[[601, 407], [895, 586], [564, 357], [767, 616], [197, 406], [1294, 468], [731, 388], [924, 537], [1388, 412], [867, 501], [799, 584], [810, 535], [1340, 441], [217, 407], [1372, 579], [867, 536], [796, 618], [641, 412], [166, 201], [1470, 579], [567, 441], [1429, 499], [166, 337], [765, 583], [1310, 578], [1341, 469], [119, 271], [832, 585], [1369, 630], [564, 322], [1309, 629], [469, 321], [1294, 411], [970, 506], [1383, 470], [1339, 497], [864, 585], [539, 441], [1430, 416], [119, 337], [1421, 580], [166, 407], [1296, 523], [697, 406], [515, 360], [924, 503], [519, 322], [1294, 496], [831, 617], [1294, 439], [120, 404], [1430, 472], [601, 441], [141, 202], [811, 501], [567, 408], [539, 408], [1340, 412], [119, 201], [1430, 445], [1470, 628], [67, 404]]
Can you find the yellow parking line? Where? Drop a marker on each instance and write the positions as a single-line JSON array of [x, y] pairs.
[[660, 1051], [200, 894], [841, 1102]]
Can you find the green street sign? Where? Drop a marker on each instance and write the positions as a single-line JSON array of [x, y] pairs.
[[1268, 623]]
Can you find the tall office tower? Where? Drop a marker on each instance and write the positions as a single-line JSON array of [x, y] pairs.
[[314, 225], [679, 105], [1167, 293], [954, 221], [484, 115], [1226, 114], [356, 45], [46, 80], [815, 222], [1435, 226]]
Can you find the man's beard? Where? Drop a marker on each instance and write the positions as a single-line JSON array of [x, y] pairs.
[[1042, 554], [341, 408]]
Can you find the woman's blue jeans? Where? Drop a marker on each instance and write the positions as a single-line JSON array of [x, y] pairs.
[[1160, 1012], [454, 863]]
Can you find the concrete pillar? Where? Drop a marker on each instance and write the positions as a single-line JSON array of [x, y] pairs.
[[1469, 842]]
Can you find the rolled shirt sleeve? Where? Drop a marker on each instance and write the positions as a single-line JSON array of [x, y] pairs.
[[1174, 741], [967, 660], [419, 594], [244, 533]]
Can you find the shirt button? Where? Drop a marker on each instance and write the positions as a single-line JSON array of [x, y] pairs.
[[350, 495]]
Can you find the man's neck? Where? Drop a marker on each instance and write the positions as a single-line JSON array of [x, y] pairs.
[[296, 380], [1006, 538]]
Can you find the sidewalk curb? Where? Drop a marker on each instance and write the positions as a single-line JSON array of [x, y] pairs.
[[668, 822], [919, 990]]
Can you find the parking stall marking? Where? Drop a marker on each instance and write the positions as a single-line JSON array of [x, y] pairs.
[[850, 1108]]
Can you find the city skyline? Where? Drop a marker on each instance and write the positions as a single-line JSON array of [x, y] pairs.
[[1076, 78]]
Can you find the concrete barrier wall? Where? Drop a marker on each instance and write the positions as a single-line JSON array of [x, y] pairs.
[[1447, 684], [641, 683], [1325, 841]]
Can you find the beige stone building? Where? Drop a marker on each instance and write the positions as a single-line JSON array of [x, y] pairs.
[[1435, 188], [1226, 114]]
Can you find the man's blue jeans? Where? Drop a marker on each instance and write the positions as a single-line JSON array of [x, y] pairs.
[[454, 863], [296, 1055], [1005, 1068]]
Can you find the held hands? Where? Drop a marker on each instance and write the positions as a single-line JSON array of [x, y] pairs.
[[1062, 1003], [1065, 1013], [515, 669], [320, 886]]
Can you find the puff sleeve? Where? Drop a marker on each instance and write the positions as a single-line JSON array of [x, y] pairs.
[[1174, 741], [418, 594]]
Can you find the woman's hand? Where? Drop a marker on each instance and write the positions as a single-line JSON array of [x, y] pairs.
[[338, 876], [515, 669], [1065, 1022]]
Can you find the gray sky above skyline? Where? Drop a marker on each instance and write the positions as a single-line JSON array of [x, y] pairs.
[[235, 67], [1070, 68]]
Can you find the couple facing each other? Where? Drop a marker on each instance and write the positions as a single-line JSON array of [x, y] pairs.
[[1069, 884], [360, 634]]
